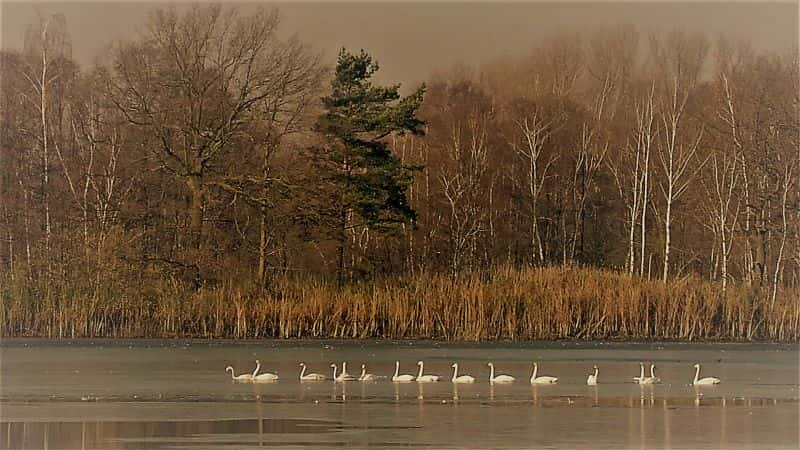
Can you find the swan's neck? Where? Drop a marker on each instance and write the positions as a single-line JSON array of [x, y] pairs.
[[363, 371], [596, 371], [641, 371], [258, 367], [491, 372], [303, 371], [344, 367], [233, 376], [696, 373], [652, 371], [455, 371], [334, 370], [535, 368], [396, 368], [420, 370]]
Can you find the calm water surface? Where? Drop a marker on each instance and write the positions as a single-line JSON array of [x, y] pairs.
[[177, 395]]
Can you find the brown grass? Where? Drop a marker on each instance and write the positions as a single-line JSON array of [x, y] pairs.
[[535, 303]]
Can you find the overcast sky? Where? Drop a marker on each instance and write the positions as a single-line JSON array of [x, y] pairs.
[[411, 39]]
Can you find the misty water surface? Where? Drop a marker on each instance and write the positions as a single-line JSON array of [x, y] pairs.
[[177, 395]]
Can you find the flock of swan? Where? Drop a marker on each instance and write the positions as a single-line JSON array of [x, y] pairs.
[[342, 376]]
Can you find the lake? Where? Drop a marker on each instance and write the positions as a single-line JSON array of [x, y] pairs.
[[126, 394]]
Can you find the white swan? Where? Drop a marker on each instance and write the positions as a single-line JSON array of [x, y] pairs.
[[592, 380], [544, 379], [703, 381], [344, 376], [652, 379], [499, 378], [462, 378], [426, 378], [641, 376], [310, 376], [245, 377], [263, 377], [366, 376], [397, 378]]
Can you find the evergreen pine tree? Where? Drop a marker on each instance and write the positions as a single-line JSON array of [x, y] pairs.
[[365, 184]]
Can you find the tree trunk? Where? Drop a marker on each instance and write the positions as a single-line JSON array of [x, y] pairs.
[[645, 189], [262, 248], [667, 243], [45, 160], [196, 190]]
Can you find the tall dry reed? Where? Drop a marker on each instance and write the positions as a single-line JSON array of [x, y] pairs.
[[508, 303]]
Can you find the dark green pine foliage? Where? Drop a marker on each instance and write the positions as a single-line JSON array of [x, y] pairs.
[[365, 182]]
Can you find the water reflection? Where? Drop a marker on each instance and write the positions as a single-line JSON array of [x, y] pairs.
[[649, 417], [123, 435]]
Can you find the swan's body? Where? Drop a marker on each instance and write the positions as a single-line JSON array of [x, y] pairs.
[[344, 376], [592, 380], [652, 379], [499, 378], [544, 379], [426, 378], [245, 377], [703, 381], [366, 376], [641, 376], [310, 376], [397, 378], [462, 378], [263, 377]]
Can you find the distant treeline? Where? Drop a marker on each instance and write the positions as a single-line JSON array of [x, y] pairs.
[[209, 178]]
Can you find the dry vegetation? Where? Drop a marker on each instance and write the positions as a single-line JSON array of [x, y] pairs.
[[536, 303]]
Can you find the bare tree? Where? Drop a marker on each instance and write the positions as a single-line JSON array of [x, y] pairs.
[[46, 48], [194, 81], [202, 81], [280, 119], [679, 58], [534, 130], [462, 184], [631, 170]]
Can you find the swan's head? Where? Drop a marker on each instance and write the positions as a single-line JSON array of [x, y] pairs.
[[333, 365], [419, 363], [363, 366], [258, 362], [696, 366], [594, 367], [229, 368], [302, 364], [454, 365], [490, 365]]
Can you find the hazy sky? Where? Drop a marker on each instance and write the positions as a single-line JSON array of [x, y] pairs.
[[411, 39]]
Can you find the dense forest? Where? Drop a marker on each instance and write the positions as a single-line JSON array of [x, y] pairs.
[[210, 178]]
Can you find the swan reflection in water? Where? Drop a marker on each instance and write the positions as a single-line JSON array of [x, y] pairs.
[[595, 395], [646, 395], [335, 392]]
